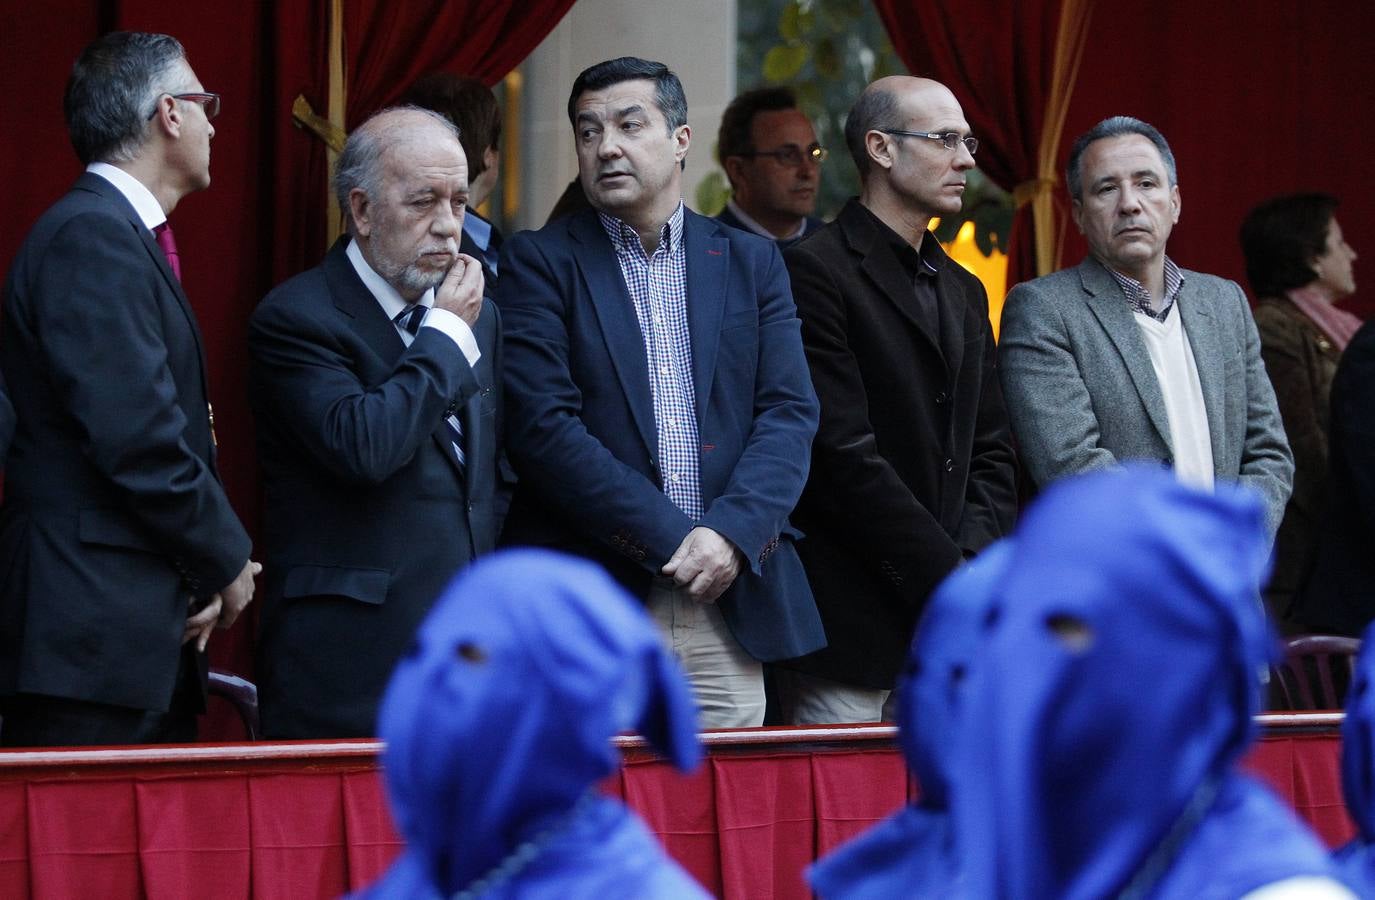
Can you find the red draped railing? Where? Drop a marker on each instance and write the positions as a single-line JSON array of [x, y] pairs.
[[303, 820]]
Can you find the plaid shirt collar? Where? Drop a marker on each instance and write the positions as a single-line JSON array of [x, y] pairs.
[[1140, 298], [627, 240]]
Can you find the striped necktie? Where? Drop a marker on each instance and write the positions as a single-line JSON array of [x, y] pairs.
[[410, 319]]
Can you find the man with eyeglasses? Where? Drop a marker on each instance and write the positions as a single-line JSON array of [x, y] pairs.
[[120, 550], [912, 467], [1129, 357], [773, 161]]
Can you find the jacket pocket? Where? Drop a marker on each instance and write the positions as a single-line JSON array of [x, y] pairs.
[[363, 585], [109, 528]]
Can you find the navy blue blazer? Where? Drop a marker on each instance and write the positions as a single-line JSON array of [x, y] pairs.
[[581, 417], [114, 514], [368, 514]]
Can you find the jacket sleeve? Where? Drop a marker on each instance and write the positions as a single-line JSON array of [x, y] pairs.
[[1266, 461], [990, 505], [308, 385]]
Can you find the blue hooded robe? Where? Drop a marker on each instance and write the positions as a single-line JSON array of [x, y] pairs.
[[498, 723], [1113, 696], [1357, 858]]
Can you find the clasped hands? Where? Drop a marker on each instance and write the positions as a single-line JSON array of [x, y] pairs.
[[704, 565], [224, 607]]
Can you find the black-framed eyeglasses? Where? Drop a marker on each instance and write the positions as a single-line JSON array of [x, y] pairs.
[[950, 139], [791, 155], [211, 102]]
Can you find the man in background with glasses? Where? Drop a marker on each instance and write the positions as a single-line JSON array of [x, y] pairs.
[[119, 551], [1129, 357], [771, 156], [912, 467]]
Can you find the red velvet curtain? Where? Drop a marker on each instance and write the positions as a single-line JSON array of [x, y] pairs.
[[262, 220], [479, 38], [997, 58]]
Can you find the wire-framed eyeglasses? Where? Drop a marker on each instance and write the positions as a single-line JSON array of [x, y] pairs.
[[950, 139]]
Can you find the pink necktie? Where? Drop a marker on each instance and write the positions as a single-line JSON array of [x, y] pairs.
[[168, 243]]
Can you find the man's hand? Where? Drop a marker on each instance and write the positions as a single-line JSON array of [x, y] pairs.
[[199, 626], [461, 291], [234, 596], [705, 563]]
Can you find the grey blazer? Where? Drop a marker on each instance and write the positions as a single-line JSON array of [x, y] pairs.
[[1082, 394]]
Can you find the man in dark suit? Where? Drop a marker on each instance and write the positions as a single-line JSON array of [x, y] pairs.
[[376, 391], [912, 468], [660, 410], [118, 548], [769, 151], [1339, 594]]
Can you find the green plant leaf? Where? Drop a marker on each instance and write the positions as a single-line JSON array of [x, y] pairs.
[[712, 193], [789, 22], [782, 63]]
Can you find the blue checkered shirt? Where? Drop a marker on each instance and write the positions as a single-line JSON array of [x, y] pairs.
[[658, 289], [1140, 298]]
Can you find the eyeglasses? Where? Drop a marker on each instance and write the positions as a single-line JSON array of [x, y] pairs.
[[211, 102], [791, 155], [950, 139]]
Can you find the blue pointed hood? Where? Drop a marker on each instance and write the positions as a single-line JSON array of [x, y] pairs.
[[499, 717], [1118, 677]]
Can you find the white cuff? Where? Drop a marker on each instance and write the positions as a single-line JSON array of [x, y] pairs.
[[457, 330]]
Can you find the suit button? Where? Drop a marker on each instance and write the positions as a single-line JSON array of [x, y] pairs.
[[940, 398], [949, 465]]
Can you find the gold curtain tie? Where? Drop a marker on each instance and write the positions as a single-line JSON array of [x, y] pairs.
[[305, 116], [1030, 189]]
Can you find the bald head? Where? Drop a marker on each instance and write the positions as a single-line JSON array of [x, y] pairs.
[[894, 102], [366, 152]]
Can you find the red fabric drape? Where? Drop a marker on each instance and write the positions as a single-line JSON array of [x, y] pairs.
[[262, 219], [484, 40], [745, 825], [996, 58]]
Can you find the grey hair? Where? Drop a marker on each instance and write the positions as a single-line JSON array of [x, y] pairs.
[[360, 164], [114, 85], [876, 109], [1117, 126]]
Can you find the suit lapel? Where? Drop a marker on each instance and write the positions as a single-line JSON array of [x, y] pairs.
[[882, 267], [707, 256], [601, 273], [352, 298], [1201, 329], [1114, 314]]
